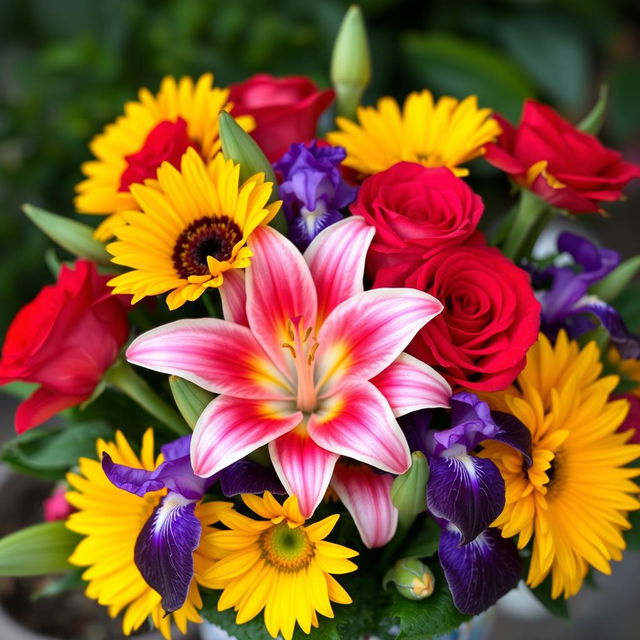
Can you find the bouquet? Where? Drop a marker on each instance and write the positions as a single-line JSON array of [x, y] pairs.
[[300, 391]]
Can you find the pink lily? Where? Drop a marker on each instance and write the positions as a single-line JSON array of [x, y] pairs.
[[305, 361], [367, 496]]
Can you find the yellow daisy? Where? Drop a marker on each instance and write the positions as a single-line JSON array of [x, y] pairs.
[[154, 129], [446, 133], [111, 520], [277, 564], [192, 226], [575, 498]]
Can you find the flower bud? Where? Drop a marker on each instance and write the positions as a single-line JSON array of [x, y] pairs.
[[409, 491], [239, 146], [190, 399], [413, 579], [350, 62], [76, 237]]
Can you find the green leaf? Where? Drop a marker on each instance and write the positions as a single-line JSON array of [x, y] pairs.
[[37, 550], [425, 542], [54, 451], [429, 617], [451, 65], [251, 630], [609, 288], [76, 237], [592, 122]]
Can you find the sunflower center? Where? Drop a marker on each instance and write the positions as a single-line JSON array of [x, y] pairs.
[[285, 548], [166, 142], [204, 238]]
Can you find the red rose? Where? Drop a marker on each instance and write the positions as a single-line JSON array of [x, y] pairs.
[[566, 167], [286, 110], [415, 210], [64, 340], [490, 316]]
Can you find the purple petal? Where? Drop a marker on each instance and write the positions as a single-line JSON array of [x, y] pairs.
[[512, 431], [247, 476], [175, 475], [481, 572], [596, 263], [471, 423], [164, 549], [177, 449], [465, 490], [626, 342], [416, 429]]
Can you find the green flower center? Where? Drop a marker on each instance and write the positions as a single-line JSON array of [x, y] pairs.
[[285, 548]]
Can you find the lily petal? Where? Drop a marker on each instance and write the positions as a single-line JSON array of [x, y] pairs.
[[164, 549], [279, 288], [217, 355], [234, 297], [367, 496], [336, 260], [387, 320], [230, 428], [357, 422], [481, 572], [410, 385], [465, 490], [303, 467]]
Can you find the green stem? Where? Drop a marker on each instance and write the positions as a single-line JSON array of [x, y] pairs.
[[122, 376], [531, 215], [390, 551], [348, 99]]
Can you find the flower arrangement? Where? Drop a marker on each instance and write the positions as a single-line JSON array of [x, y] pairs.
[[300, 391]]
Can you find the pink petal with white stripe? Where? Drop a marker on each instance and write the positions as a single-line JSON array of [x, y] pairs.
[[279, 288], [363, 335], [367, 496], [230, 428], [214, 354], [357, 422], [234, 297], [303, 467], [409, 385], [336, 259]]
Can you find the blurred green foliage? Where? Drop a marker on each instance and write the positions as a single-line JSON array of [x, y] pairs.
[[67, 67]]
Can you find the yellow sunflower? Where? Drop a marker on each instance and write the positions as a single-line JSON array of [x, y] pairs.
[[193, 226], [111, 520], [446, 133], [277, 564], [154, 129], [575, 498]]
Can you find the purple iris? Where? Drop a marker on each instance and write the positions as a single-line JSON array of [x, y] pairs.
[[312, 189], [466, 494], [164, 548], [565, 300]]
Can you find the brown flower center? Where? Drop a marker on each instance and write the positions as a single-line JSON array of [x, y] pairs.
[[207, 236]]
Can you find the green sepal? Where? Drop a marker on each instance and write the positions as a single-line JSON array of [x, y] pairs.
[[190, 399], [37, 550], [409, 490], [609, 288], [239, 146], [76, 237], [592, 122]]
